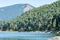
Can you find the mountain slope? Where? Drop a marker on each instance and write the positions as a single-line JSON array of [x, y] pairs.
[[13, 11], [38, 19]]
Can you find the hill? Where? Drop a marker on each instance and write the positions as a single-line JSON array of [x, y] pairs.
[[13, 11], [44, 18]]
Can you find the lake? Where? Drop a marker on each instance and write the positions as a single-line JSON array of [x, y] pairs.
[[25, 35]]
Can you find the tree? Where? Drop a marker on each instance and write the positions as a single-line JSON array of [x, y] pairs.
[[57, 27]]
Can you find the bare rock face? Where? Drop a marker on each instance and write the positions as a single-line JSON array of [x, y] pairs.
[[55, 38], [28, 7]]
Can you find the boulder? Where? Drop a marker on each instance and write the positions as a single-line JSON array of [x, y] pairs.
[[55, 38]]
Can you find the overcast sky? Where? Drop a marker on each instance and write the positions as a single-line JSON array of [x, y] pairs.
[[35, 3]]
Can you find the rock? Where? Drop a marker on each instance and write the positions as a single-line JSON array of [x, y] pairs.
[[55, 38]]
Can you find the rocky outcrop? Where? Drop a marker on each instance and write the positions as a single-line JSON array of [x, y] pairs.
[[55, 38], [28, 7]]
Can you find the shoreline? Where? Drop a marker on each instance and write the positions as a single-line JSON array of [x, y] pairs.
[[28, 31]]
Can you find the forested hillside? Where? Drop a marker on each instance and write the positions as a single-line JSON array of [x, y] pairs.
[[44, 18]]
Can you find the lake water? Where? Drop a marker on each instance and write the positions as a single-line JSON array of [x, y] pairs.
[[25, 35]]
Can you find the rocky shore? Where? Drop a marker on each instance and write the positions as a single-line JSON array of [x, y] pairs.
[[55, 38]]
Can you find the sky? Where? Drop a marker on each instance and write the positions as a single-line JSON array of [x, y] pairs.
[[35, 3]]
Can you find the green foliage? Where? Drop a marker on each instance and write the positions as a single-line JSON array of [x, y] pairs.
[[38, 19]]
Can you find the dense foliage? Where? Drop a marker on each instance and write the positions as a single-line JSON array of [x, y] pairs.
[[44, 18]]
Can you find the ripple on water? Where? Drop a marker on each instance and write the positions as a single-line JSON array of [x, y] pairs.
[[25, 35]]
